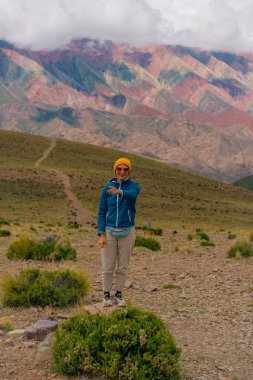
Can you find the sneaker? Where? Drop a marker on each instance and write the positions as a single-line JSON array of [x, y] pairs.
[[107, 299], [119, 299]]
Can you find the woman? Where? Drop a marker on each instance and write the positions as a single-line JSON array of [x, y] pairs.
[[116, 218]]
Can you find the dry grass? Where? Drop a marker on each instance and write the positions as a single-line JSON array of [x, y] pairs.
[[171, 198]]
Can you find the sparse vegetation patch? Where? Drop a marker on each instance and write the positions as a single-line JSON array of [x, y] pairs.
[[149, 243], [32, 287], [47, 249], [6, 324], [150, 230], [207, 244], [128, 344], [4, 222], [5, 233], [172, 286], [241, 248]]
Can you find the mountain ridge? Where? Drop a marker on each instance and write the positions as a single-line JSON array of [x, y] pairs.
[[198, 103]]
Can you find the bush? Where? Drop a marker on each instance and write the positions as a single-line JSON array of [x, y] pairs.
[[5, 233], [66, 252], [207, 244], [171, 286], [128, 344], [47, 249], [149, 243], [33, 287], [6, 324], [4, 222], [242, 247], [150, 230], [202, 235]]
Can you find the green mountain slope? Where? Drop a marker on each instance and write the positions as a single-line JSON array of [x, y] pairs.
[[169, 197], [246, 182]]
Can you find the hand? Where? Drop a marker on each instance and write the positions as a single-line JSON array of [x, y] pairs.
[[101, 241], [113, 191]]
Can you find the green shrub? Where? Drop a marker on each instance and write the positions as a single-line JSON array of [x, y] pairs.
[[72, 224], [190, 236], [244, 248], [171, 286], [6, 324], [128, 344], [5, 233], [33, 287], [231, 236], [64, 252], [21, 249], [46, 249], [150, 230], [149, 243], [202, 235], [207, 244], [4, 222]]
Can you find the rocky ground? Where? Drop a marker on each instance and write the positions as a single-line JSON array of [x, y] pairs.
[[210, 314]]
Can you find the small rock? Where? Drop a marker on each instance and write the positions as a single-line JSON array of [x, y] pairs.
[[9, 342], [44, 353], [30, 344], [40, 329], [137, 287], [17, 332], [150, 288], [128, 285], [63, 316]]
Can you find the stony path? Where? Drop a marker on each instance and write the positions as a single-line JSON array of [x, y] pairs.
[[81, 215]]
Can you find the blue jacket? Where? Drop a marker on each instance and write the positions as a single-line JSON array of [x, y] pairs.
[[118, 211]]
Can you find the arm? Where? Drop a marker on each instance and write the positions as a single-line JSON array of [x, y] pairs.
[[132, 193], [102, 210]]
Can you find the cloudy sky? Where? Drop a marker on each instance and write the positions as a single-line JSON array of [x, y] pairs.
[[210, 24]]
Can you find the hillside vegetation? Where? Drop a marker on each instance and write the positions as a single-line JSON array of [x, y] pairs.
[[169, 197], [246, 182]]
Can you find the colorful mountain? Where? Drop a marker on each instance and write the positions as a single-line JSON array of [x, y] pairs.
[[187, 107]]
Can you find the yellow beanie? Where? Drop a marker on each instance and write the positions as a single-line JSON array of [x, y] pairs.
[[123, 161]]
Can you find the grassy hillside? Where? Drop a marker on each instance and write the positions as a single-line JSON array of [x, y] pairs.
[[169, 197], [246, 182], [27, 193]]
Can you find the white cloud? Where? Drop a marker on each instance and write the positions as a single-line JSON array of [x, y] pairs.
[[210, 24]]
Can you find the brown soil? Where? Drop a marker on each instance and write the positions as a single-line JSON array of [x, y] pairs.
[[210, 315]]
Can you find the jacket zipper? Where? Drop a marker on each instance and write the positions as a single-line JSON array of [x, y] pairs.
[[117, 218]]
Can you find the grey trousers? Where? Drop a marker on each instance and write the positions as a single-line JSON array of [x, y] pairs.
[[116, 254]]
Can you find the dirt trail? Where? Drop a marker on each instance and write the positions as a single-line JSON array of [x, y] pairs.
[[45, 153], [81, 214]]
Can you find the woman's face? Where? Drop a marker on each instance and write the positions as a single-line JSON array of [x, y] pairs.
[[122, 172]]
